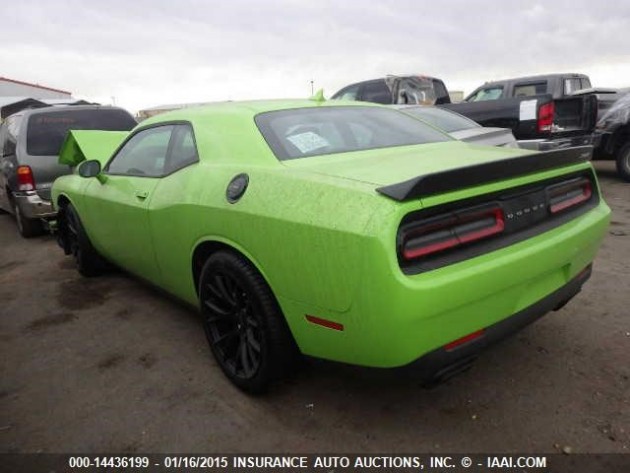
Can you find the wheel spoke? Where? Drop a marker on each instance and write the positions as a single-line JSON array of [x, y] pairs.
[[215, 292], [251, 321], [225, 294], [219, 312], [225, 337], [253, 356], [244, 357], [252, 342]]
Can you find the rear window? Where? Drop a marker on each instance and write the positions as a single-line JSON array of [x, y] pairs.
[[576, 83], [442, 119], [376, 91], [308, 132], [527, 90], [46, 131]]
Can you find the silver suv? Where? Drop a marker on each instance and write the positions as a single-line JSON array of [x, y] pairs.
[[29, 149]]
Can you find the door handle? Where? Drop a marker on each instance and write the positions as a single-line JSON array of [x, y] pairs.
[[142, 195]]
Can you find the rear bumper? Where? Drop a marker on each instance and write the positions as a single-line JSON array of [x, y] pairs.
[[33, 206], [394, 321], [443, 363], [559, 143]]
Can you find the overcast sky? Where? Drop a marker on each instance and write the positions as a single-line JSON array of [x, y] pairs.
[[146, 53]]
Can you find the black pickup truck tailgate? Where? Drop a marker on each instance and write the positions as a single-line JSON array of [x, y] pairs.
[[573, 116]]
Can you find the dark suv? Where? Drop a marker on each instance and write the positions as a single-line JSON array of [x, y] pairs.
[[29, 149]]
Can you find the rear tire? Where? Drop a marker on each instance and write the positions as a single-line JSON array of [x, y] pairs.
[[244, 325], [623, 162], [27, 227], [89, 262]]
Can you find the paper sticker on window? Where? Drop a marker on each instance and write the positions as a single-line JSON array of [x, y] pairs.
[[308, 141], [528, 110]]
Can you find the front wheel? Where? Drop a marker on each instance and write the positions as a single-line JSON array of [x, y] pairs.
[[623, 162], [89, 262], [244, 326]]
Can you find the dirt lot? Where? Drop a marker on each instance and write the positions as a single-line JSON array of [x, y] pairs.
[[110, 364]]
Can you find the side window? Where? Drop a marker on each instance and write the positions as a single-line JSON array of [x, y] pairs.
[[527, 90], [349, 93], [377, 92], [144, 154], [9, 133], [491, 93], [183, 149]]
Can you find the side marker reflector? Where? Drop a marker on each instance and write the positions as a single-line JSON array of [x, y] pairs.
[[465, 339], [324, 323]]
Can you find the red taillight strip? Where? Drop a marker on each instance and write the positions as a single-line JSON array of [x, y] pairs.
[[587, 192], [456, 237], [435, 247], [465, 339], [499, 225], [324, 323]]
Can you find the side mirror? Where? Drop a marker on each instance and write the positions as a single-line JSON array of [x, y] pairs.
[[91, 168]]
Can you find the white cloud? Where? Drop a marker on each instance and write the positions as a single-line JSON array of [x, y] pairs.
[[146, 53]]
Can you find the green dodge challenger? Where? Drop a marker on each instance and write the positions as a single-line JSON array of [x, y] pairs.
[[345, 231]]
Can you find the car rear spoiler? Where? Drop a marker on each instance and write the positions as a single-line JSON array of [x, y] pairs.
[[81, 145], [470, 176]]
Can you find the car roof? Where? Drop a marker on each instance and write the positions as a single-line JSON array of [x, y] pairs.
[[249, 108], [567, 75], [66, 108]]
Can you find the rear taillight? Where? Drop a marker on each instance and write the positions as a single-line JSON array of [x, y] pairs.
[[452, 230], [25, 179], [568, 195], [545, 117]]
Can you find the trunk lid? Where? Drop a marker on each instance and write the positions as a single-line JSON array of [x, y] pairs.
[[411, 172], [381, 167]]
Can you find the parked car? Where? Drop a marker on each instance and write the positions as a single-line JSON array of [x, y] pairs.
[[460, 127], [29, 150], [614, 126], [542, 111], [340, 230]]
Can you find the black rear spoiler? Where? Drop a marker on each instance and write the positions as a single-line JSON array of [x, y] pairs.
[[478, 174]]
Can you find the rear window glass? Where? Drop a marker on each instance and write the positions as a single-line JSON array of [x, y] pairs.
[[307, 132], [377, 92], [442, 119], [575, 84], [46, 131], [527, 90]]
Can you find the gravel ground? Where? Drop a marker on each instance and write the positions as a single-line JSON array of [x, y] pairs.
[[113, 365]]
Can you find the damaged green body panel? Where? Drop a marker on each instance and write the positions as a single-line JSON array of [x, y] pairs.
[[322, 237]]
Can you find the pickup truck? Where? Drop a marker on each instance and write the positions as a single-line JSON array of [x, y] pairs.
[[613, 125], [541, 111]]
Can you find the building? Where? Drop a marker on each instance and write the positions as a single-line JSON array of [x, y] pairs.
[[456, 95], [16, 88]]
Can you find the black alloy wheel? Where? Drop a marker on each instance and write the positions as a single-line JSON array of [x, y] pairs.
[[89, 263], [244, 326], [233, 325]]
